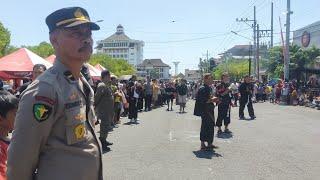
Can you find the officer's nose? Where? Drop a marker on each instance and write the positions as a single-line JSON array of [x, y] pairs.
[[88, 41]]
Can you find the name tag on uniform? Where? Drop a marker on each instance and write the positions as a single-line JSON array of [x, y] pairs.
[[72, 104]]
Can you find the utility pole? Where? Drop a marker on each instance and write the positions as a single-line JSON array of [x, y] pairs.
[[250, 52], [287, 57], [253, 26], [254, 39], [271, 42], [258, 54], [208, 63]]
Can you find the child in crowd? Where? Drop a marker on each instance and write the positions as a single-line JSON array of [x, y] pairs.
[[8, 109], [303, 98], [273, 94], [117, 106], [294, 97]]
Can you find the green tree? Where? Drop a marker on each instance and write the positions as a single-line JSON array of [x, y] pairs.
[[4, 39], [117, 66], [154, 74], [10, 49], [236, 68], [299, 57], [44, 49], [276, 59]]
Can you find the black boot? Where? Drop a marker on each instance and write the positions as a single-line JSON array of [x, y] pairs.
[[104, 145]]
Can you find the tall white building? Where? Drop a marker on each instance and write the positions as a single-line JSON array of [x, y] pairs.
[[120, 46]]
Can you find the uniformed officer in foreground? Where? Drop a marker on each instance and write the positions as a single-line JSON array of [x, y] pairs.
[[54, 131], [224, 107]]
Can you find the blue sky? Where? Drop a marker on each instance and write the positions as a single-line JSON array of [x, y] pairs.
[[198, 25]]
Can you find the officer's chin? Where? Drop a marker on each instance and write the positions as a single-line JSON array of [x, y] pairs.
[[85, 56]]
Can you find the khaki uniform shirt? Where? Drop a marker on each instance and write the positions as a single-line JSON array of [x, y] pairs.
[[104, 99], [54, 134]]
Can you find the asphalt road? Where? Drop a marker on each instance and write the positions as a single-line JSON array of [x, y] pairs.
[[282, 143]]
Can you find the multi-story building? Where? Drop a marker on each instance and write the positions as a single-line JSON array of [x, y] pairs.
[[120, 46], [244, 51], [307, 36], [155, 68], [192, 75]]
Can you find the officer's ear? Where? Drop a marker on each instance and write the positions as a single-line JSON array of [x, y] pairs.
[[54, 38]]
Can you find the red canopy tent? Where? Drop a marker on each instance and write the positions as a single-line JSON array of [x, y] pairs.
[[19, 64], [94, 72], [51, 58], [99, 67]]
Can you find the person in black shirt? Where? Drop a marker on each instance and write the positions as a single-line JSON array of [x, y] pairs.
[[224, 107], [37, 70], [182, 91], [204, 107], [246, 91], [170, 90]]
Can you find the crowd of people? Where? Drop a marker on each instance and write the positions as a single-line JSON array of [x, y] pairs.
[[226, 94]]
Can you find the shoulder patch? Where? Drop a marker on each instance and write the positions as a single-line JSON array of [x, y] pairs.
[[41, 112]]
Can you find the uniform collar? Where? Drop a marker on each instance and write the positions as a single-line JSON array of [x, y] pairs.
[[63, 69]]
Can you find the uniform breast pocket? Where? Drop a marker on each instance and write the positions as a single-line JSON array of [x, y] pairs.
[[76, 128]]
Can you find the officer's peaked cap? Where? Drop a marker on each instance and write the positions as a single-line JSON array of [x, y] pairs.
[[69, 17]]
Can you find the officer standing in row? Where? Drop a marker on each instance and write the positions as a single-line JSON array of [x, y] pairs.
[[224, 107], [246, 93], [54, 135], [104, 104], [204, 107]]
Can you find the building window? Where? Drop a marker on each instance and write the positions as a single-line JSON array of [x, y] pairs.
[[131, 53], [161, 69], [125, 55]]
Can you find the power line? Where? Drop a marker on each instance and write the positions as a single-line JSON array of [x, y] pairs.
[[246, 12], [186, 40], [191, 39]]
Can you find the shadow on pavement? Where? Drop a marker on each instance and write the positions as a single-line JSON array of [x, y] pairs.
[[225, 135], [209, 154], [130, 123], [247, 119]]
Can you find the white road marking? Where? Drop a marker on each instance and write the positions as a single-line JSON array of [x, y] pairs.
[[171, 136]]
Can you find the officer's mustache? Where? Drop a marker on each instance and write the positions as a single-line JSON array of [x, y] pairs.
[[85, 47]]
